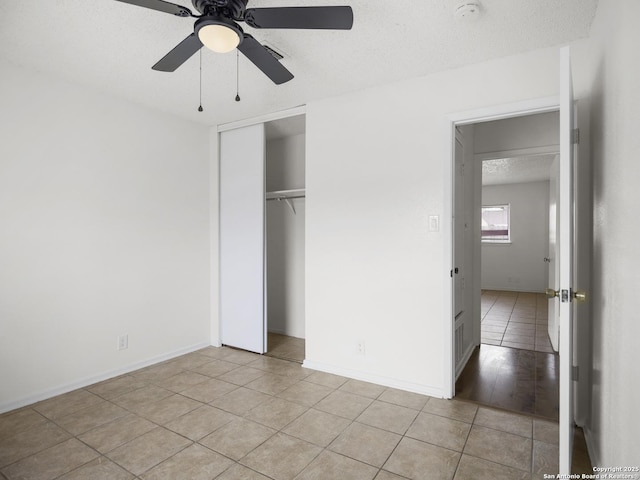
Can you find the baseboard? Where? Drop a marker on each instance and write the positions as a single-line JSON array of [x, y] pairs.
[[512, 289], [86, 381], [377, 379], [591, 447]]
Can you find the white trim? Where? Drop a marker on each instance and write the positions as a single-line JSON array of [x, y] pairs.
[[509, 110], [85, 382], [591, 446], [497, 112], [218, 253], [511, 289], [521, 152], [377, 379], [292, 112]]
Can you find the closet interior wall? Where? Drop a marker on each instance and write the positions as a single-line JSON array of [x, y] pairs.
[[285, 220]]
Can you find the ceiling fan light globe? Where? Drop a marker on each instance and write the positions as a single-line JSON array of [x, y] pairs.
[[219, 38]]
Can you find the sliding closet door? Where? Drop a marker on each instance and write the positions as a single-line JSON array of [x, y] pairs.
[[242, 252]]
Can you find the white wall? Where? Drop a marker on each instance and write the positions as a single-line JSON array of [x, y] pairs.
[[518, 266], [104, 231], [615, 76], [285, 238], [375, 170]]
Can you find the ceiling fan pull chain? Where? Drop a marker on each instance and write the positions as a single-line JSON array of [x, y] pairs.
[[237, 76], [200, 109]]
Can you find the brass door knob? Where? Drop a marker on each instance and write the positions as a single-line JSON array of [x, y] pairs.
[[551, 293], [580, 296]]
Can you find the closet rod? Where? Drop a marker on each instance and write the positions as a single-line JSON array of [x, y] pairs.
[[284, 194], [286, 197]]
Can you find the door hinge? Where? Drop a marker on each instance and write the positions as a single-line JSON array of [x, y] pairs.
[[575, 373], [575, 136]]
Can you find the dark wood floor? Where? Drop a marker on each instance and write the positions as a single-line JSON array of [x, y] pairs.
[[285, 347], [523, 381]]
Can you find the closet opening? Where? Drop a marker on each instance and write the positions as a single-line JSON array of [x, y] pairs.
[[285, 238]]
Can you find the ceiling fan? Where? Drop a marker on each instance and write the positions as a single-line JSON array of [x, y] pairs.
[[217, 29]]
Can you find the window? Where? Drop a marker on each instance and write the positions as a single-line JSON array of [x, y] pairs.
[[495, 224]]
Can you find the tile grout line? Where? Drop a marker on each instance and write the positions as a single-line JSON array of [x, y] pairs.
[[466, 440]]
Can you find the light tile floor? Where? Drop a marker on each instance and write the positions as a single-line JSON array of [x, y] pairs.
[[515, 319], [225, 414]]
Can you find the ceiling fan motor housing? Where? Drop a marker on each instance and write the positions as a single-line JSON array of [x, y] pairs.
[[231, 8]]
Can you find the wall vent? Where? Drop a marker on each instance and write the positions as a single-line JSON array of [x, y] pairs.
[[273, 53]]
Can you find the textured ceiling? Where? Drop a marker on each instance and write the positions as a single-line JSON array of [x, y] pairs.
[[531, 168], [110, 46]]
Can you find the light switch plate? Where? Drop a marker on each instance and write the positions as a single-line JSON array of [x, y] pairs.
[[434, 223]]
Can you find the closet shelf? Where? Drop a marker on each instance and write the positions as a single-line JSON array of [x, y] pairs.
[[285, 194]]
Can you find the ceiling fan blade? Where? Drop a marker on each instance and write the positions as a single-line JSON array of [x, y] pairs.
[[261, 58], [161, 6], [180, 54], [332, 18]]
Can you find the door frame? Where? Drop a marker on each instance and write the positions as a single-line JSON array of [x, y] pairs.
[[496, 112]]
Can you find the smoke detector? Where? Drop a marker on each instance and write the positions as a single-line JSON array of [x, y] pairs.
[[467, 10]]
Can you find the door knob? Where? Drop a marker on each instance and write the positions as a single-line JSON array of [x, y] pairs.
[[580, 296], [547, 259]]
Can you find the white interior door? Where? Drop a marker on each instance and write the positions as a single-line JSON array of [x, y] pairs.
[[565, 260], [242, 238], [554, 267]]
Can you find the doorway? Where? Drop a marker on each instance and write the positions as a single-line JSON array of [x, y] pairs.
[[564, 292], [513, 365]]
